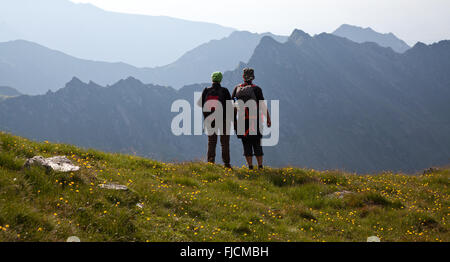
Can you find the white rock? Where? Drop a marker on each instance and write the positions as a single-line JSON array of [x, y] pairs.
[[57, 163], [340, 194], [73, 239], [373, 239], [113, 186]]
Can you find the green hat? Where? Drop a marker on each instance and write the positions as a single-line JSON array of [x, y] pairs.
[[217, 77]]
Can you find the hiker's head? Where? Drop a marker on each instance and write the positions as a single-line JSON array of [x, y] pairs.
[[249, 74], [217, 77]]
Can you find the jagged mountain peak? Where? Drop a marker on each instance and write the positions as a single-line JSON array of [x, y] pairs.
[[419, 45], [439, 50], [75, 82], [268, 40], [299, 36], [128, 82]]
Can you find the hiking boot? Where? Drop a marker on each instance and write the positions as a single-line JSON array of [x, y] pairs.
[[228, 166]]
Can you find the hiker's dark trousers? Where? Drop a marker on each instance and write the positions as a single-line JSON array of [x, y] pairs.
[[224, 142]]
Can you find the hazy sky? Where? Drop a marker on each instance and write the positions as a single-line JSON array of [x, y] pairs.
[[411, 20]]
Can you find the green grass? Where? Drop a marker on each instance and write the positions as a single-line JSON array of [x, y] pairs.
[[203, 202]]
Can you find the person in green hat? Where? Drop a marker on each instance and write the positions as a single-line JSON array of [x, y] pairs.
[[210, 96]]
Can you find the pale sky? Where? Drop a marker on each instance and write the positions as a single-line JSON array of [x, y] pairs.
[[411, 20]]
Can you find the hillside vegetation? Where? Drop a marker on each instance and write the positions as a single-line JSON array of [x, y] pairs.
[[204, 202]]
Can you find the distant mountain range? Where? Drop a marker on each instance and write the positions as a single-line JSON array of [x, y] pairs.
[[197, 65], [47, 69], [346, 105], [85, 31], [361, 35], [34, 69]]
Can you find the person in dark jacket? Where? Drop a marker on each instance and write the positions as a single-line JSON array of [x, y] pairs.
[[217, 94], [251, 138]]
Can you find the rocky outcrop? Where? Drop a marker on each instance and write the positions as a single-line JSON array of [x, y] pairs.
[[57, 163]]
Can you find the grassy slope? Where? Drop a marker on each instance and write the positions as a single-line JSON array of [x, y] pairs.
[[203, 202]]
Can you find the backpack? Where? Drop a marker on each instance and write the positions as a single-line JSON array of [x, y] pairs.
[[245, 93], [215, 95]]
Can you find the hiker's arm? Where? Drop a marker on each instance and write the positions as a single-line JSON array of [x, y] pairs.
[[234, 109], [265, 110]]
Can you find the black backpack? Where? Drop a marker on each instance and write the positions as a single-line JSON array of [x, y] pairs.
[[245, 93], [214, 94]]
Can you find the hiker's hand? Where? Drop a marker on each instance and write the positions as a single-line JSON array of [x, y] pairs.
[[269, 122]]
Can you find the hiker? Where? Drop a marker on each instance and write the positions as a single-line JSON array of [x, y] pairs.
[[252, 135], [217, 94]]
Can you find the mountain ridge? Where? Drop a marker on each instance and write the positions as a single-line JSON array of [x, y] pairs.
[[360, 35], [21, 57], [343, 105], [88, 32], [196, 65]]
